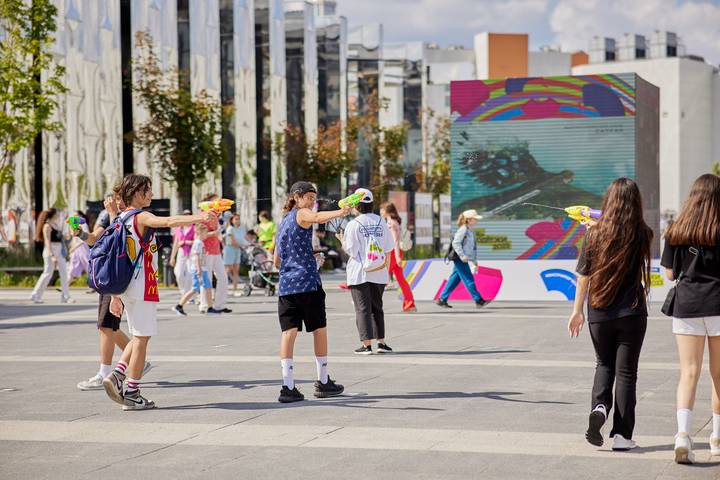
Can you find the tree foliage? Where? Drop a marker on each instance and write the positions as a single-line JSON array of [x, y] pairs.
[[183, 132], [30, 80], [337, 149], [438, 179]]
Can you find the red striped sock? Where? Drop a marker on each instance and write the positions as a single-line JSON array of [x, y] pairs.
[[132, 384], [121, 367]]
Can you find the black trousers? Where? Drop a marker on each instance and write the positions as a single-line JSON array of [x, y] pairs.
[[369, 315], [617, 347]]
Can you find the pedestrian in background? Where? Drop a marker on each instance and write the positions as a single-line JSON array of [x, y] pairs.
[[692, 257], [463, 253], [234, 250], [613, 263], [183, 238], [49, 231], [266, 230], [392, 217], [213, 249], [79, 251]]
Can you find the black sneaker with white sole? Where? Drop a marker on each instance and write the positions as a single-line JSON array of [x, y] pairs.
[[226, 310], [179, 310], [113, 385], [363, 350], [384, 348], [481, 303], [212, 311], [135, 401], [595, 422], [289, 396], [442, 303], [329, 389]]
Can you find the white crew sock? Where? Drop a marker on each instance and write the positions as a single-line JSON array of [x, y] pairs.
[[322, 372], [716, 425], [288, 375], [684, 419], [105, 370]]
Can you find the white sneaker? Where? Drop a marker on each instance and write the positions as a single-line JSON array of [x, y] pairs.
[[621, 443], [92, 383], [714, 445], [684, 449], [35, 299], [67, 300]]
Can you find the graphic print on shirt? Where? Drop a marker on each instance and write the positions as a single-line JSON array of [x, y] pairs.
[[150, 291]]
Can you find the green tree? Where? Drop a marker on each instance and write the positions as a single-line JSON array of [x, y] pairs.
[[438, 180], [30, 80], [183, 133], [716, 168]]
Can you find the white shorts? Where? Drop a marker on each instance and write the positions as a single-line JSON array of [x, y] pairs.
[[700, 326], [141, 317]]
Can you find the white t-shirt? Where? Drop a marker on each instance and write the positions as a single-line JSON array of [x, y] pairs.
[[198, 250], [356, 242]]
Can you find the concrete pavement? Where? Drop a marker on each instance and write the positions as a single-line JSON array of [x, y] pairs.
[[496, 393]]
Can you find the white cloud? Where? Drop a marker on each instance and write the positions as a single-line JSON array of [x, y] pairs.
[[575, 22]]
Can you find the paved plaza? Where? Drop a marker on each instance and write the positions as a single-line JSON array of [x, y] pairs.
[[496, 393]]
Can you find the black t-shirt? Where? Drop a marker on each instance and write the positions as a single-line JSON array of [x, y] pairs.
[[103, 219], [626, 302], [698, 291]]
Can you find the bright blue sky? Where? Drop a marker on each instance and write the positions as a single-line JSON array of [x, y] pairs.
[[569, 23]]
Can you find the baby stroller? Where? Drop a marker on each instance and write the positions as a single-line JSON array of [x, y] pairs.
[[262, 272]]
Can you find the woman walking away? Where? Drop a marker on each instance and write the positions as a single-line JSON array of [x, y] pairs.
[[49, 231], [391, 216], [368, 242], [234, 251], [692, 257], [183, 238], [464, 253], [613, 263]]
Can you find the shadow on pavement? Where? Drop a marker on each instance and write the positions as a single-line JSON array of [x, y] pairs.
[[359, 401], [59, 323], [458, 352], [18, 311]]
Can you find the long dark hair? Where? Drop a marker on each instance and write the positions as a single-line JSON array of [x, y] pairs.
[[289, 204], [391, 211], [619, 245], [44, 217], [699, 220]]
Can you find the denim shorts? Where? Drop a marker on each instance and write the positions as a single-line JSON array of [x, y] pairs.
[[204, 282]]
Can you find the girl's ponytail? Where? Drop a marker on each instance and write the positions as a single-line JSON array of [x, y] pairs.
[[289, 204]]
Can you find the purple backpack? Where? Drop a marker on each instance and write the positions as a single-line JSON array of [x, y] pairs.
[[110, 269]]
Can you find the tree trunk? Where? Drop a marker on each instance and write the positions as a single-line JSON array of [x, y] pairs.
[[185, 195]]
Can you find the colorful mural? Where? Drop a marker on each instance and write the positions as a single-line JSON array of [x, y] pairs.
[[556, 141]]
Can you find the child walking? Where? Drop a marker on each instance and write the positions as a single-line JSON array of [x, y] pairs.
[[141, 297], [199, 272], [301, 296], [613, 276]]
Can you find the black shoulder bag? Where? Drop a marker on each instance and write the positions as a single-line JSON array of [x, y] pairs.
[[668, 307]]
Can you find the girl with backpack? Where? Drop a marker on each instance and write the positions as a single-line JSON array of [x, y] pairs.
[[391, 216], [692, 257], [140, 296], [613, 269], [368, 242], [463, 253], [49, 231]]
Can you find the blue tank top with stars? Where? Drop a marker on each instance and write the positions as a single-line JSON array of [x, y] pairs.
[[298, 268]]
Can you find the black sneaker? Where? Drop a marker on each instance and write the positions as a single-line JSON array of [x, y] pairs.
[[212, 311], [481, 303], [384, 348], [442, 303], [135, 401], [363, 350], [226, 310], [289, 396], [113, 385], [179, 310], [595, 422], [329, 389]]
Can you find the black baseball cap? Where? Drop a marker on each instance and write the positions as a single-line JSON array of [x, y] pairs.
[[302, 187]]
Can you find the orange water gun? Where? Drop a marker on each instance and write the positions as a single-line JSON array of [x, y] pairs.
[[217, 206]]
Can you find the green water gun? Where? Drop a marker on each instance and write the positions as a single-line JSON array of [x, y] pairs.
[[353, 200], [75, 222]]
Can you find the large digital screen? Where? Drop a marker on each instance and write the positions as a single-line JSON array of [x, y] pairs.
[[557, 141]]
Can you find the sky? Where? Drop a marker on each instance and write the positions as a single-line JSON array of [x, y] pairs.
[[570, 24]]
